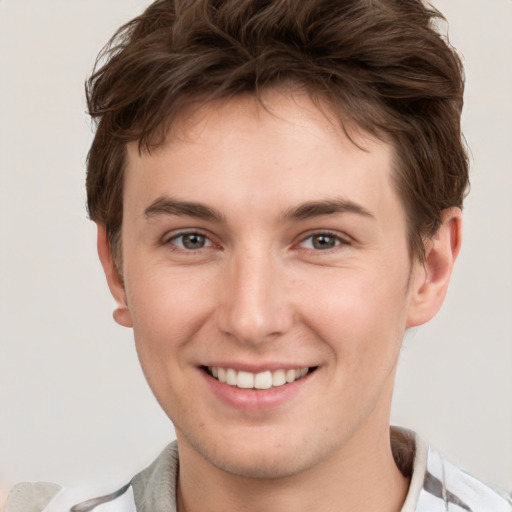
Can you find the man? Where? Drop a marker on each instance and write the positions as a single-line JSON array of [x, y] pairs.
[[278, 190]]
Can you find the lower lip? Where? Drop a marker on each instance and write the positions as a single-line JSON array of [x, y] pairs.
[[255, 399]]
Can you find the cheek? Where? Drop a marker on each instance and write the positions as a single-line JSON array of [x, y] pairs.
[[167, 313], [360, 314], [167, 309]]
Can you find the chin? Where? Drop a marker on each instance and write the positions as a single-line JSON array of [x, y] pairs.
[[259, 466], [263, 459], [268, 466]]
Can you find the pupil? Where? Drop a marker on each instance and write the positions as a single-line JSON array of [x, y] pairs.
[[323, 242], [193, 241]]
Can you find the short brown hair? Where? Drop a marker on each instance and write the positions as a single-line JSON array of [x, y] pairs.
[[381, 63]]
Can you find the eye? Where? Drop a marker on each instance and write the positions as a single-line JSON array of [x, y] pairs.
[[322, 241], [191, 241]]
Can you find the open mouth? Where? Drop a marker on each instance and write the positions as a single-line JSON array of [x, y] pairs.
[[262, 380]]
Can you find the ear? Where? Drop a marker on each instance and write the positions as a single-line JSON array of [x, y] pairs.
[[115, 283], [431, 277]]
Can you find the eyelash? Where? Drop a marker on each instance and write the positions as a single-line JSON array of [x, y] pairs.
[[171, 241], [339, 241]]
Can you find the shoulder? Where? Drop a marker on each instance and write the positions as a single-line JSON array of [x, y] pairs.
[[151, 489], [31, 497], [454, 486], [35, 497], [437, 485]]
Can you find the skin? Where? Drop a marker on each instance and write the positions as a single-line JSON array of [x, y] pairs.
[[3, 498], [259, 289]]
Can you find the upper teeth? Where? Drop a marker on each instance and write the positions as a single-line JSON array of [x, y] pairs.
[[262, 380]]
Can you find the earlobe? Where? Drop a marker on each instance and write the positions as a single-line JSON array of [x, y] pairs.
[[430, 281], [115, 283]]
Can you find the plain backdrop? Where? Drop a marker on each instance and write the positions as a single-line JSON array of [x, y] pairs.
[[74, 406]]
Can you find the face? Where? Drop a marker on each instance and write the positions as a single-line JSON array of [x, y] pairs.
[[267, 249]]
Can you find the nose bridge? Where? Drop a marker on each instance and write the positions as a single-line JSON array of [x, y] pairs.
[[255, 306]]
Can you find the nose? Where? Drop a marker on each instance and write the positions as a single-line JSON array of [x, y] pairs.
[[255, 302]]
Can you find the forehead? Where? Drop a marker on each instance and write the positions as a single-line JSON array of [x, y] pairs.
[[283, 109], [268, 154]]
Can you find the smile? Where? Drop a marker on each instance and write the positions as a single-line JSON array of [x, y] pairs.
[[262, 380]]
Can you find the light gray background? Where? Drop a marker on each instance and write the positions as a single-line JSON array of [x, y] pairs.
[[74, 406]]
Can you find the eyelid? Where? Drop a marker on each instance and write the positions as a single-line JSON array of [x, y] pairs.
[[341, 239], [168, 238], [175, 233]]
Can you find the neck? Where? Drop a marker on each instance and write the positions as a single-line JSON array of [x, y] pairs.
[[362, 476]]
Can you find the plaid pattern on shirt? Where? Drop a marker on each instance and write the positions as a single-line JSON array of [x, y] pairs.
[[436, 486]]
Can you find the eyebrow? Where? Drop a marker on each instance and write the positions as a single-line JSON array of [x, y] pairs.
[[169, 206], [313, 209], [307, 210]]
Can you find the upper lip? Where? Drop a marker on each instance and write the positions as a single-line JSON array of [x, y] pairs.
[[258, 367]]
